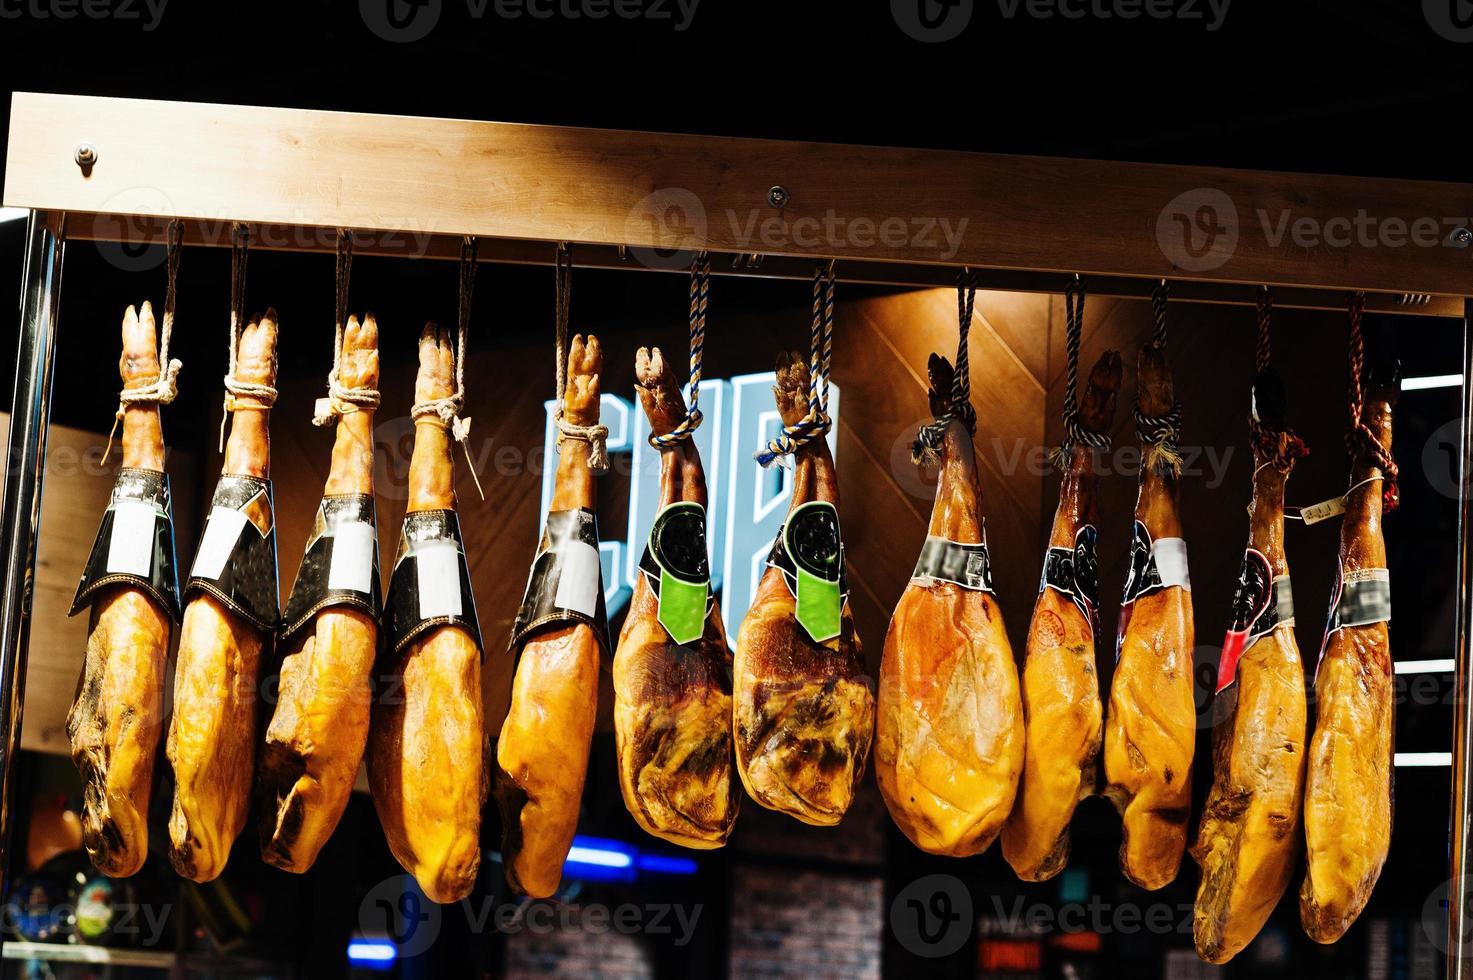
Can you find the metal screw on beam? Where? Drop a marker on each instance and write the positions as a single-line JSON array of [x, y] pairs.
[[778, 196], [1461, 237], [86, 156]]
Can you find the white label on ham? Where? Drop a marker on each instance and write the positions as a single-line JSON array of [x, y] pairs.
[[437, 567], [130, 550], [577, 587], [352, 557], [222, 531], [1171, 562]]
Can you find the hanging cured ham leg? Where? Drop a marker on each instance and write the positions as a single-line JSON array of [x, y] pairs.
[[232, 611], [317, 733], [1248, 843], [560, 636], [672, 669], [426, 746], [1061, 690], [1150, 729], [949, 738], [1348, 786], [133, 589], [804, 710]]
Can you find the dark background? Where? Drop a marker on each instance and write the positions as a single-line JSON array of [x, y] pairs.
[[1368, 88]]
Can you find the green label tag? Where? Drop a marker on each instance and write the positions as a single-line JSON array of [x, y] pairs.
[[818, 606], [682, 608], [810, 539], [675, 565]]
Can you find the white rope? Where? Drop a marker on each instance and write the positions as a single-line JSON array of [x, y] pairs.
[[163, 389], [596, 435], [446, 411], [342, 400], [264, 396]]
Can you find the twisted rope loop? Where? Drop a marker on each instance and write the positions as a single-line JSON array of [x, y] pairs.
[[163, 389], [959, 404], [446, 411], [342, 400], [700, 297], [596, 436], [1359, 437], [1281, 449], [263, 396], [816, 424], [1160, 434], [1075, 434]]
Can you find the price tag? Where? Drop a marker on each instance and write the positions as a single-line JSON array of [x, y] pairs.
[[1323, 511], [222, 531], [130, 550], [577, 585], [352, 558], [437, 566]]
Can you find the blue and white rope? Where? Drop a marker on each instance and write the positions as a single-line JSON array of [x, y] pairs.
[[816, 424], [700, 299]]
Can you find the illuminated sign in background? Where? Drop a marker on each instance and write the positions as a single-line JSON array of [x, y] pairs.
[[747, 502]]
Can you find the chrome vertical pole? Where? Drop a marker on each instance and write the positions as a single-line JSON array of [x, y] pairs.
[[1459, 938], [20, 493]]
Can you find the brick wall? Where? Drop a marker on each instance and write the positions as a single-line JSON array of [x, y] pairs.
[[805, 924], [575, 952]]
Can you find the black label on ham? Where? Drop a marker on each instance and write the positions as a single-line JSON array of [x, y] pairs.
[[565, 584], [135, 543], [431, 582], [1075, 572], [1261, 603], [340, 564], [236, 559]]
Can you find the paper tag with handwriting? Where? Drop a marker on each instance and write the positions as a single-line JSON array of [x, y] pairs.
[[1323, 511]]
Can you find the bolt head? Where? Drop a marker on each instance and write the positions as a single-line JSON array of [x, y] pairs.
[[86, 154], [1461, 237], [778, 196]]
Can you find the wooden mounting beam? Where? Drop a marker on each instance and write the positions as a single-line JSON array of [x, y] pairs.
[[898, 208]]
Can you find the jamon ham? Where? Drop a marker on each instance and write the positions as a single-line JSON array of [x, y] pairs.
[[212, 736], [1150, 726], [426, 743], [804, 710], [542, 754], [315, 740], [118, 715], [1348, 786], [949, 743], [1061, 689], [1247, 843], [672, 700]]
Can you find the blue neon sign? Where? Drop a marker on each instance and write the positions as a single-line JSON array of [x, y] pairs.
[[747, 503]]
